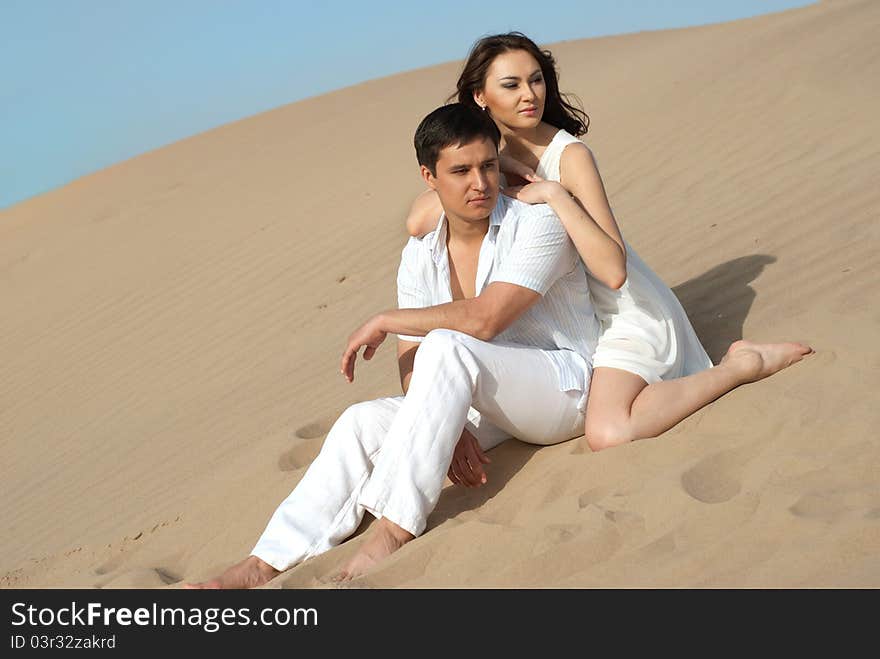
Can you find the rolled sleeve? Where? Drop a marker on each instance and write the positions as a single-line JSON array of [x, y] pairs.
[[411, 291], [541, 253]]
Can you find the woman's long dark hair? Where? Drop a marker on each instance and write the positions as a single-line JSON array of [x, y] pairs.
[[557, 109]]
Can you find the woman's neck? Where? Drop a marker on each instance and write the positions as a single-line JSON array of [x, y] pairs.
[[527, 140]]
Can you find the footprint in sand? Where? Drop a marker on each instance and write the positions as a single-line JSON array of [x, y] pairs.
[[592, 496], [626, 521], [141, 578], [819, 505], [300, 456], [559, 533], [714, 479], [316, 428], [565, 550]]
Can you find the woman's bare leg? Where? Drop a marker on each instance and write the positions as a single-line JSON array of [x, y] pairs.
[[622, 407]]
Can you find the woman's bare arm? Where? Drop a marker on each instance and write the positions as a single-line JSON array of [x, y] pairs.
[[594, 231], [423, 214], [604, 256]]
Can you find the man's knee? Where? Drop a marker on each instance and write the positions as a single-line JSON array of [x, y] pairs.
[[362, 420], [444, 337], [606, 433], [441, 342]]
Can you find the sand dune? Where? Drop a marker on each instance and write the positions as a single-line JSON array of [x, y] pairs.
[[172, 327]]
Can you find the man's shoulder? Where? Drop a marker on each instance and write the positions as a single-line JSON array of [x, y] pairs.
[[418, 250], [514, 212], [418, 244]]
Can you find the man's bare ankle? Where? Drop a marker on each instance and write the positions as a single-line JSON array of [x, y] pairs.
[[400, 534], [262, 566]]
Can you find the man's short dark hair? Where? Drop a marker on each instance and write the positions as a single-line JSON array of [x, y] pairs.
[[456, 124]]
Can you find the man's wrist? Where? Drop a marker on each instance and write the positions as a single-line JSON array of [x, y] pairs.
[[381, 322]]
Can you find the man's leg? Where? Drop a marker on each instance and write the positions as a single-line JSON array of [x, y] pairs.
[[322, 510], [515, 388]]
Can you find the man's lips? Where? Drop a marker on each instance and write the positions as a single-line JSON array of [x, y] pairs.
[[478, 200]]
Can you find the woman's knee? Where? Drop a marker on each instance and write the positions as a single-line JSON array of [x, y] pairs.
[[603, 433]]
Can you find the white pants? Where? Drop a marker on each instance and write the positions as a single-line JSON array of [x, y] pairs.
[[390, 456]]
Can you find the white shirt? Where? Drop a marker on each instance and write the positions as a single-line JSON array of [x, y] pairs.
[[528, 246]]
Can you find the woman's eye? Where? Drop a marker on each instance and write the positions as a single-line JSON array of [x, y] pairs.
[[510, 86]]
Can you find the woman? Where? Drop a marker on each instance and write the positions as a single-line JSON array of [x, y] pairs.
[[649, 369]]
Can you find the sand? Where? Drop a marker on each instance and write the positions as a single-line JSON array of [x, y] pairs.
[[172, 327]]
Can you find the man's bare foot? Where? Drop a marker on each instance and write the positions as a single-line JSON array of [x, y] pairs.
[[385, 538], [756, 361], [249, 573]]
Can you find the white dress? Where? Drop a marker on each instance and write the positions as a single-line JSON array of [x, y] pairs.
[[644, 328]]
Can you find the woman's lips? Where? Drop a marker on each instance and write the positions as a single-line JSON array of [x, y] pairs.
[[529, 111]]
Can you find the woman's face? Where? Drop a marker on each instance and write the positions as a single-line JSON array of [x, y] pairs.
[[514, 90]]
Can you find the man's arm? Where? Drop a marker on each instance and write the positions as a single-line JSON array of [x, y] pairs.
[[483, 317], [540, 255]]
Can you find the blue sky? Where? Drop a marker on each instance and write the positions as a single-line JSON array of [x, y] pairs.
[[87, 83]]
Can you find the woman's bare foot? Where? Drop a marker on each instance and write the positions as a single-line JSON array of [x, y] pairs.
[[756, 361], [385, 539], [249, 573]]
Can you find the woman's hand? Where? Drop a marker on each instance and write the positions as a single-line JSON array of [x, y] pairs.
[[516, 171], [540, 192]]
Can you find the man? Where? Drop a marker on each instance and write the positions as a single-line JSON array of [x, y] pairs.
[[496, 332]]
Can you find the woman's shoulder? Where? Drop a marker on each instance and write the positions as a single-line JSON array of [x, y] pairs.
[[572, 148], [561, 146], [563, 139], [576, 162]]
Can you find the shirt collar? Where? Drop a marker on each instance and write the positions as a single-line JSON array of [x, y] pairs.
[[437, 239]]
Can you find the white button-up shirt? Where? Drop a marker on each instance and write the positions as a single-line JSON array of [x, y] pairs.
[[528, 246]]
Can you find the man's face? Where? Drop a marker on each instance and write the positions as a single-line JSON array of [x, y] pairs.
[[467, 179]]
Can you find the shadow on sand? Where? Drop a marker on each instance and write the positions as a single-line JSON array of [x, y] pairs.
[[718, 301]]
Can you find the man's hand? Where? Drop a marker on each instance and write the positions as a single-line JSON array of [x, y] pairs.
[[467, 463], [370, 335]]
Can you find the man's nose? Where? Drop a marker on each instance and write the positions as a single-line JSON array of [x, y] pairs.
[[479, 181]]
